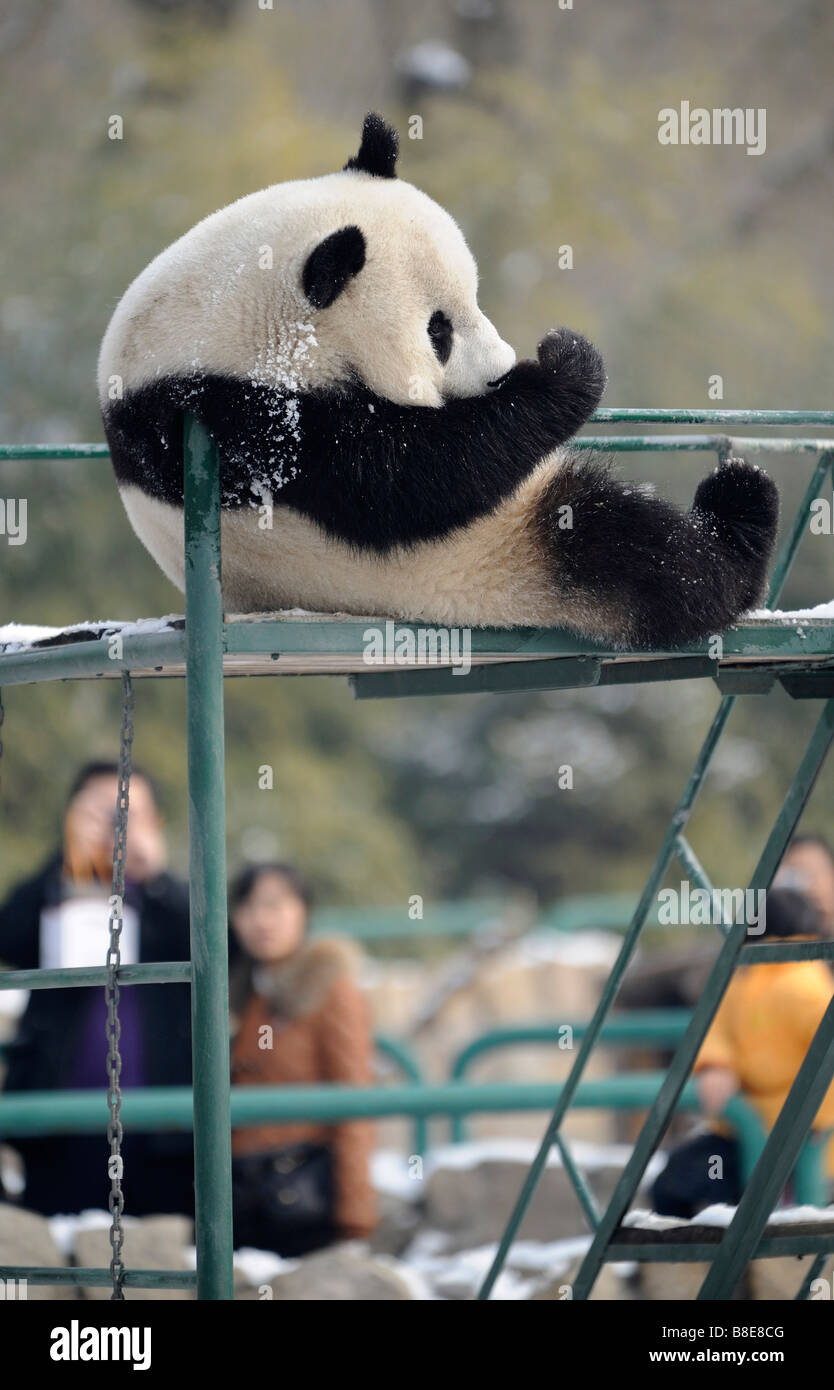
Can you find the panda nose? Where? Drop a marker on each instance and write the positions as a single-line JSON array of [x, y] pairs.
[[506, 358], [503, 376]]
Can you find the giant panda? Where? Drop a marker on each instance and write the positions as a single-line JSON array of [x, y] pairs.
[[327, 332]]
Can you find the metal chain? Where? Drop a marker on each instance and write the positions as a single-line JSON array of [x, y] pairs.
[[115, 1165]]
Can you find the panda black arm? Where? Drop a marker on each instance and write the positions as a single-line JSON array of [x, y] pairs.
[[367, 470], [378, 474]]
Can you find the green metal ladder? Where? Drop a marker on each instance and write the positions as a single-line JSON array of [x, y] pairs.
[[575, 664], [782, 1148]]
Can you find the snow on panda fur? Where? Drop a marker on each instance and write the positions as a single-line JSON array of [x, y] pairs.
[[328, 334]]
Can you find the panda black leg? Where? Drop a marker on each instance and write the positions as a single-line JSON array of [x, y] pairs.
[[639, 573]]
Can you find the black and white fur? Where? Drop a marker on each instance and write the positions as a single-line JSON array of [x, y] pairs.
[[328, 334]]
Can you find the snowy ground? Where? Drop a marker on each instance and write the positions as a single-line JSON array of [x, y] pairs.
[[433, 1270]]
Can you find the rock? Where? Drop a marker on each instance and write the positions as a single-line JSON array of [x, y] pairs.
[[454, 1285], [25, 1239], [506, 991], [680, 1281], [672, 1282], [398, 1221], [781, 1278], [473, 1201], [344, 1274], [152, 1242], [610, 1286], [394, 990]]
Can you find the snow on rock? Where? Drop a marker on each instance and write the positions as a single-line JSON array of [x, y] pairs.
[[392, 1174], [65, 1228], [257, 1266], [585, 948], [588, 1156], [530, 1267], [460, 1275]]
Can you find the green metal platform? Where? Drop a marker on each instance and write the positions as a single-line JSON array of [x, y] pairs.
[[752, 658]]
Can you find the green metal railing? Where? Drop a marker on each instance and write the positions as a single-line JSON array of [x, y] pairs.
[[656, 1027], [755, 657], [171, 1107], [579, 912]]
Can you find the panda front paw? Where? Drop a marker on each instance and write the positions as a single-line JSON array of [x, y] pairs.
[[573, 359], [572, 374]]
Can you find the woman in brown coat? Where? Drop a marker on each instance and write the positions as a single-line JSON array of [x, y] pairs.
[[298, 1018]]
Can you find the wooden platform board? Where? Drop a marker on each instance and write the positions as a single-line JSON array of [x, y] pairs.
[[387, 656]]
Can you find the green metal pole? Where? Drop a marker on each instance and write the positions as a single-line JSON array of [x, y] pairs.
[[810, 1180], [401, 1053], [817, 1266], [207, 835], [787, 555], [748, 1130], [587, 1200], [158, 1108], [87, 1278]]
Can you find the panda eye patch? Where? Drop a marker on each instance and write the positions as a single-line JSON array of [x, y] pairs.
[[440, 332]]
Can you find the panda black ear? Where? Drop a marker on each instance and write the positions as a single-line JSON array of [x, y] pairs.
[[378, 150], [334, 261]]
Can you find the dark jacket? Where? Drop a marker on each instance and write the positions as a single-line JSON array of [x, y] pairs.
[[45, 1052]]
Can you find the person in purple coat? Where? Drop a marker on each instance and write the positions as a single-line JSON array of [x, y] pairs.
[[60, 918]]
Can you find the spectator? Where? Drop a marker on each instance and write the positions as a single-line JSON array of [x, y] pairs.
[[755, 1046], [60, 918], [298, 1018], [808, 866]]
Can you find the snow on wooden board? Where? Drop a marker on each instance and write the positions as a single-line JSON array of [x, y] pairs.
[[20, 637], [719, 1215], [823, 612]]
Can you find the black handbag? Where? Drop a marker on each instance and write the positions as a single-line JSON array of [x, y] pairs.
[[283, 1198]]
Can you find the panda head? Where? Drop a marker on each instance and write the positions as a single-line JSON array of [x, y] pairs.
[[318, 283], [395, 287]]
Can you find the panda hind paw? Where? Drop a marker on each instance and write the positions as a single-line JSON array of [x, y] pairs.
[[742, 501]]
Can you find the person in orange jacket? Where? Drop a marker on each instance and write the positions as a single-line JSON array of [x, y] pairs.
[[756, 1045]]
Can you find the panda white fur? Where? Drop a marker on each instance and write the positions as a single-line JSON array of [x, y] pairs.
[[328, 334]]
